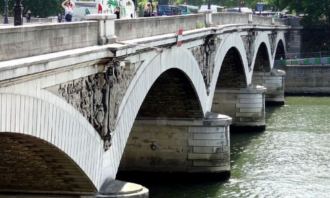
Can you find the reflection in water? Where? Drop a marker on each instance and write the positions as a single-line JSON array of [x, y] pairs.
[[290, 159]]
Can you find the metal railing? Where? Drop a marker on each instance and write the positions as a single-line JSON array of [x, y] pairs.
[[306, 58]]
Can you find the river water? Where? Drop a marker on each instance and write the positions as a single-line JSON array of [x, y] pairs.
[[291, 158]]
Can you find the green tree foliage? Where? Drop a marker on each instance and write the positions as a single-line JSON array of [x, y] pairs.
[[40, 8], [314, 11]]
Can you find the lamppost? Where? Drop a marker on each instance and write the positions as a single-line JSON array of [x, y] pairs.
[[5, 20], [18, 13], [209, 5], [239, 5]]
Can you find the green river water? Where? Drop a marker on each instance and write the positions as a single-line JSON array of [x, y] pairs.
[[291, 158]]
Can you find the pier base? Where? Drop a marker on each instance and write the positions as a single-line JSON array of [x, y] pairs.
[[246, 106], [186, 146], [121, 189], [274, 82]]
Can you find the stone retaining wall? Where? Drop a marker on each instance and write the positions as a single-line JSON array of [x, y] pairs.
[[307, 80]]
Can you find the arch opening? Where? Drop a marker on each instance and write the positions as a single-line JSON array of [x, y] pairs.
[[280, 56], [158, 141], [232, 71], [280, 51], [29, 164], [262, 63], [171, 96]]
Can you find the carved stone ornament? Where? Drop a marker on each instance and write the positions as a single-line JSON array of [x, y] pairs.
[[88, 95], [97, 97], [272, 41], [248, 41], [205, 55]]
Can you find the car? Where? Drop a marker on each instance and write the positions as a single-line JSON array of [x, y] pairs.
[[213, 8], [168, 10], [240, 9], [188, 9]]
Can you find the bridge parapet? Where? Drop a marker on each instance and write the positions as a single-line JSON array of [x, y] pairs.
[[144, 27], [223, 18], [152, 26], [37, 39]]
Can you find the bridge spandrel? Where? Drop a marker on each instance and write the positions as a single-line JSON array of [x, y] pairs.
[[97, 97], [205, 56]]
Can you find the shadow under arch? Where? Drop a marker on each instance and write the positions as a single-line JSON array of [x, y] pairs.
[[171, 96], [280, 51], [146, 76], [232, 73], [160, 129], [280, 55], [30, 164], [262, 63]]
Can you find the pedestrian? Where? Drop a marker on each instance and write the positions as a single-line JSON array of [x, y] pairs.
[[59, 17], [68, 6], [117, 12], [28, 16], [147, 10]]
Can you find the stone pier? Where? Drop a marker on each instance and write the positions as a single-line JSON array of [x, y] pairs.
[[274, 82], [195, 146], [246, 106]]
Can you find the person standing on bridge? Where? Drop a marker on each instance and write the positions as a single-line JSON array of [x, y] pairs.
[[68, 6], [147, 10]]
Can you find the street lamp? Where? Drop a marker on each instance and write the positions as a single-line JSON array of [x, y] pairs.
[[239, 5], [18, 13], [5, 20], [209, 5]]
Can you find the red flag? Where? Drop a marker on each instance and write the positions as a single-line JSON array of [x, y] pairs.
[[99, 8]]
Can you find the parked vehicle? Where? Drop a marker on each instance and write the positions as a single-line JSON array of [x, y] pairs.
[[214, 8], [241, 10], [188, 9], [168, 10]]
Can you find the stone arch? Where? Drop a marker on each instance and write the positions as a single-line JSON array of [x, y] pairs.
[[232, 41], [175, 58], [32, 116], [280, 50], [35, 165], [232, 71], [280, 40], [262, 59], [261, 43], [171, 96]]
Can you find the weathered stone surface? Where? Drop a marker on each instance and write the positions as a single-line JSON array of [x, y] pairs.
[[89, 95], [245, 106], [179, 146], [307, 80], [261, 63], [232, 71], [205, 55], [274, 82], [248, 41], [98, 96], [121, 189], [37, 39], [30, 164], [171, 96], [272, 41]]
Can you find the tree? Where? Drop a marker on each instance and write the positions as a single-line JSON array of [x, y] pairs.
[[314, 11], [40, 8]]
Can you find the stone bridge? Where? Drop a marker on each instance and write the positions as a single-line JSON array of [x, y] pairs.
[[80, 100]]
